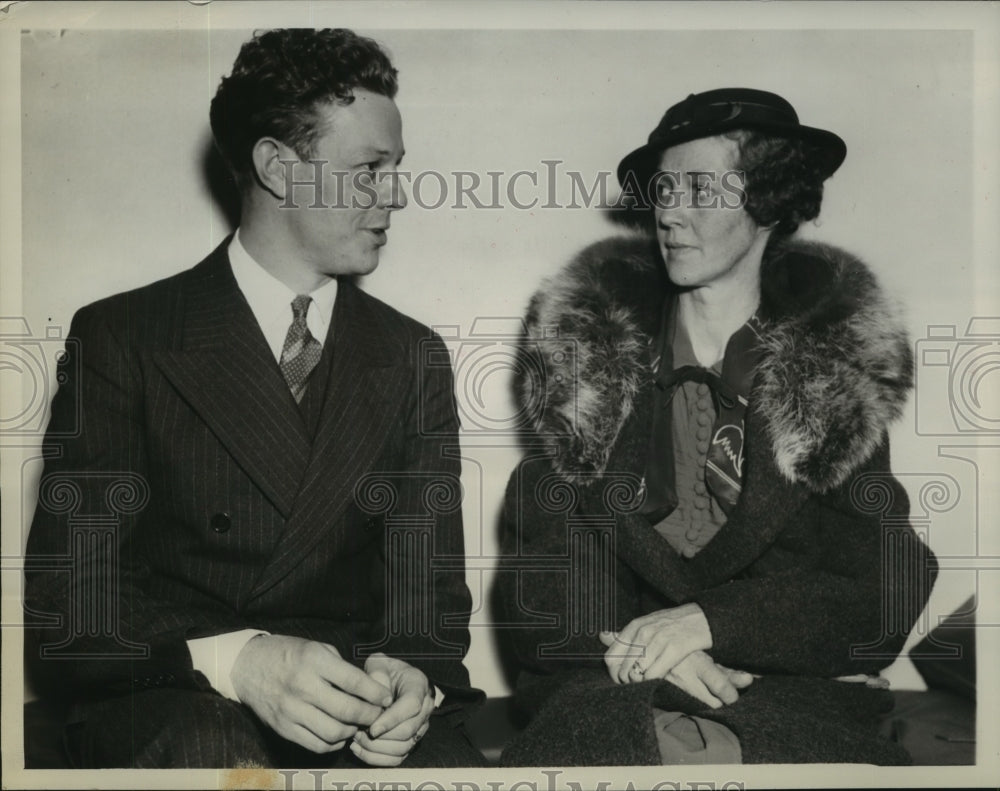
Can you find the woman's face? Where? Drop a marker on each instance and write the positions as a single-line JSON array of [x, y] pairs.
[[706, 236]]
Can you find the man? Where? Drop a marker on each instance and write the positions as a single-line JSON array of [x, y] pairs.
[[259, 429]]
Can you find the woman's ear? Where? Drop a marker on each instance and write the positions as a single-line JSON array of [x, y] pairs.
[[272, 160], [767, 231]]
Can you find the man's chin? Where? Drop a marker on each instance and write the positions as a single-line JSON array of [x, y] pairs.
[[357, 268], [366, 269]]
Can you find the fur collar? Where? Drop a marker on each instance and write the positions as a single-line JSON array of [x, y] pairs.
[[837, 366]]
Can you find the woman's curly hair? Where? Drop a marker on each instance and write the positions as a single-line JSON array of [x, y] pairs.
[[279, 79], [783, 179]]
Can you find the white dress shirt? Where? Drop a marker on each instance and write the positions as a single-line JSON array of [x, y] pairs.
[[271, 303], [271, 300]]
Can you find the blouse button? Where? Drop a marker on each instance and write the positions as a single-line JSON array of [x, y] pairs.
[[692, 533], [699, 486], [702, 448], [702, 432], [702, 389], [700, 473], [701, 502], [689, 551], [704, 404], [704, 419]]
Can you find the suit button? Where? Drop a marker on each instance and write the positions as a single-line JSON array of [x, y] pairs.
[[221, 522]]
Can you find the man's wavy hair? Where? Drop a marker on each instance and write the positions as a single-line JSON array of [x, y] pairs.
[[783, 179], [279, 80]]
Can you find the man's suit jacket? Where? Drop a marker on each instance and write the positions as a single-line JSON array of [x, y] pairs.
[[184, 497]]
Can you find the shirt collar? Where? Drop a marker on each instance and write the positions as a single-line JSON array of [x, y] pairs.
[[738, 363], [270, 300]]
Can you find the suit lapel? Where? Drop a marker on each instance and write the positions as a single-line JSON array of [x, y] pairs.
[[227, 374], [366, 390]]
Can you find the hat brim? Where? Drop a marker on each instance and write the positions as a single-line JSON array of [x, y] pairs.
[[644, 161]]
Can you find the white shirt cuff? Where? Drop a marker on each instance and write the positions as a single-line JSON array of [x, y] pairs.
[[215, 656]]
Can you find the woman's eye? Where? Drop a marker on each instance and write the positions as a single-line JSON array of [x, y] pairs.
[[666, 190]]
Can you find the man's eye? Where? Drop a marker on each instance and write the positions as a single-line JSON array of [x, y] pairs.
[[366, 172]]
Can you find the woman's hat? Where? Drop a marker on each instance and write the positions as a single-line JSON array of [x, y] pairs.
[[714, 112]]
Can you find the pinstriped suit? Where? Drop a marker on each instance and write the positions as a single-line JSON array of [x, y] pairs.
[[251, 520]]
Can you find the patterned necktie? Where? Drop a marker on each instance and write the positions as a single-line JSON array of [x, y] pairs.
[[724, 464], [301, 351], [724, 460]]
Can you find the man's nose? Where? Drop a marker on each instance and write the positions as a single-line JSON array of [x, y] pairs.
[[392, 196]]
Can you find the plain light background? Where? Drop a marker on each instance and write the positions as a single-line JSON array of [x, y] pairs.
[[114, 134]]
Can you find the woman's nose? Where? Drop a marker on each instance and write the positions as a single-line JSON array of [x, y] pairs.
[[669, 217]]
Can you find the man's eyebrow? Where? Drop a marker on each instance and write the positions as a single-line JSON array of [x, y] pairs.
[[380, 153]]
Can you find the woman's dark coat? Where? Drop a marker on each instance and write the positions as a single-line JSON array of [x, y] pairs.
[[817, 573]]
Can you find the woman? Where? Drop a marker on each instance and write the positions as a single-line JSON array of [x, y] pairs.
[[681, 595]]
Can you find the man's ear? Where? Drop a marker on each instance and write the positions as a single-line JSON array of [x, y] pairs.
[[271, 161]]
